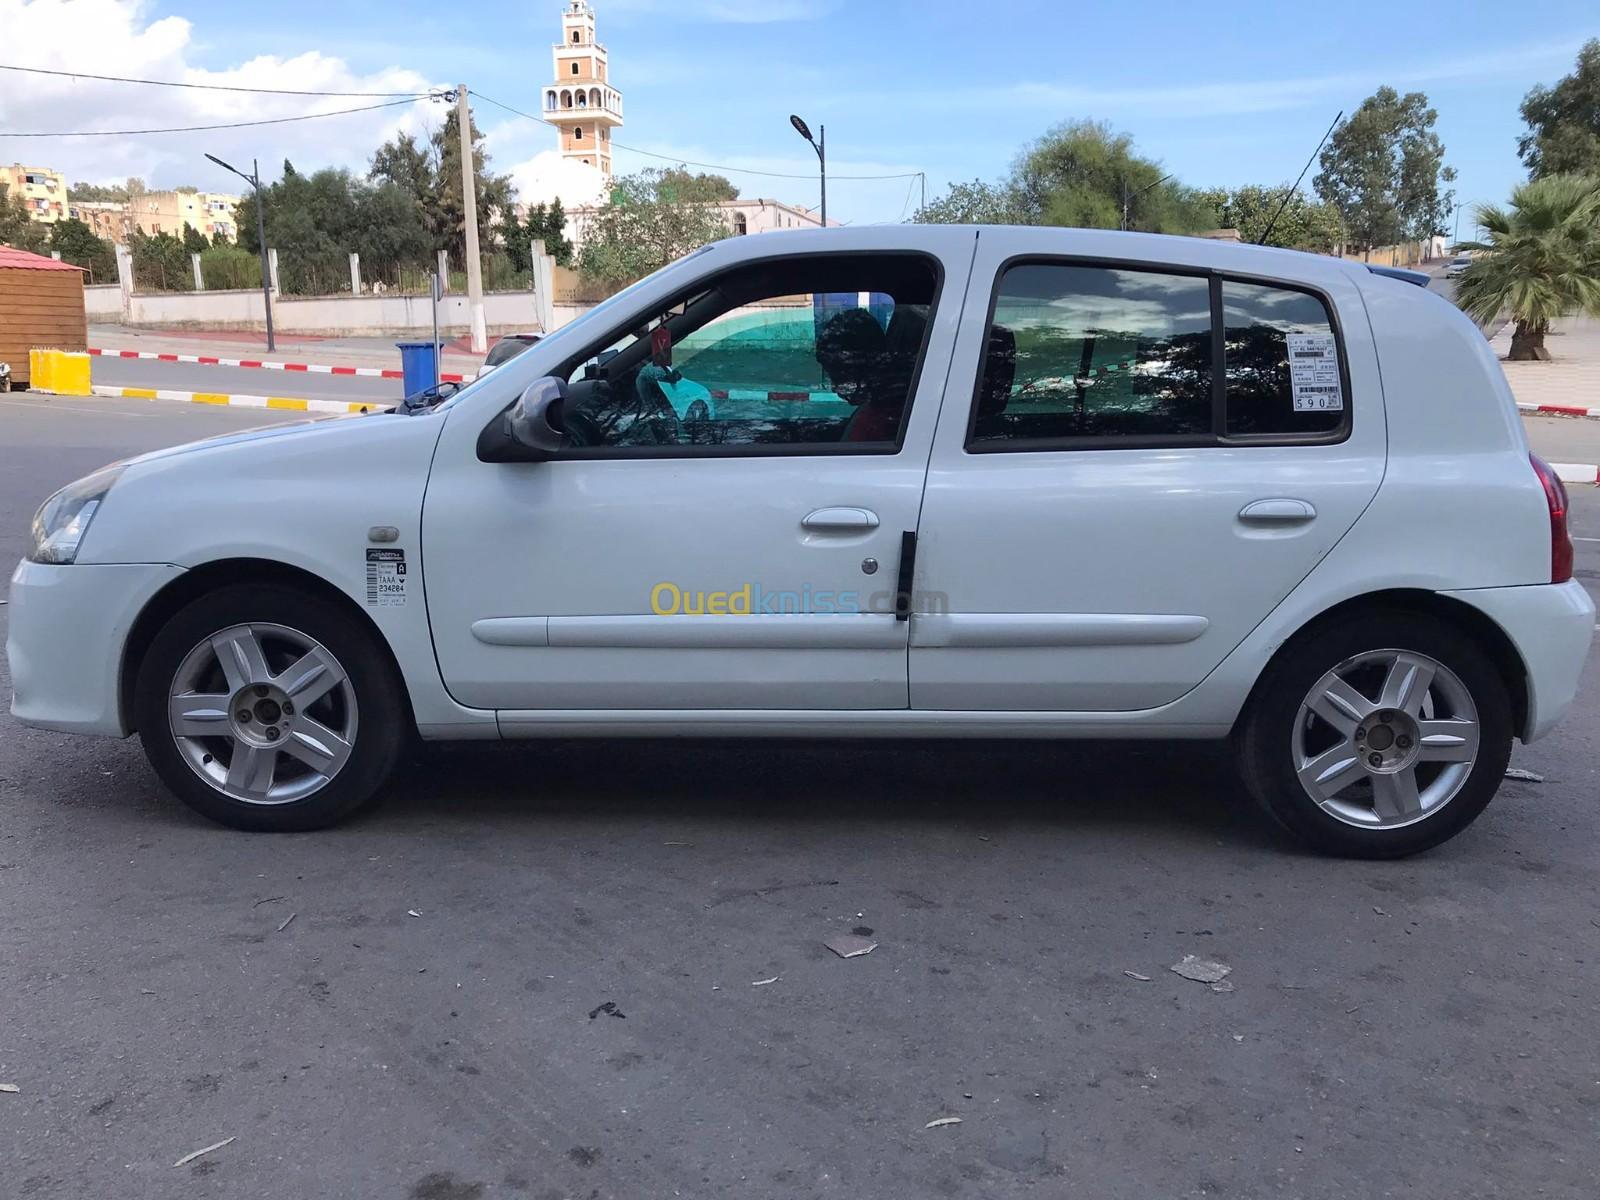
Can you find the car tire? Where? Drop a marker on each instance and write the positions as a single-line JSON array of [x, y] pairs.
[[200, 718], [1331, 769]]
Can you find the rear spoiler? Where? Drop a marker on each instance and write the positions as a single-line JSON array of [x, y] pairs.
[[1420, 278]]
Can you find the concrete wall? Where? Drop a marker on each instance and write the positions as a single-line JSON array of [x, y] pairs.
[[103, 302], [505, 312]]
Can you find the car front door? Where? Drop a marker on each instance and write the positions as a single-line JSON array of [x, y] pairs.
[[1151, 457], [723, 528]]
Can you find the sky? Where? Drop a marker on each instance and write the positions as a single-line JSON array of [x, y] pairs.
[[1222, 96]]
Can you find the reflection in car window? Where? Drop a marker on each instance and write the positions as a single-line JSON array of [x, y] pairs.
[[814, 354], [1096, 352], [1260, 322]]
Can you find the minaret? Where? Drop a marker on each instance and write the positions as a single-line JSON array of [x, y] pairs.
[[582, 104]]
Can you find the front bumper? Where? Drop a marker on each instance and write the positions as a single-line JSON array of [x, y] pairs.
[[68, 627], [1551, 626]]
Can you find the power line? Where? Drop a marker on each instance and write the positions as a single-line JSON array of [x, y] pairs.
[[689, 162], [338, 112], [207, 87]]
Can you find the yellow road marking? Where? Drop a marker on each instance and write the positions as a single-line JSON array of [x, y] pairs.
[[286, 402], [139, 393], [209, 398]]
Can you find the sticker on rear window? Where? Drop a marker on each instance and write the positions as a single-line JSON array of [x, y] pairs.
[[386, 577], [1314, 373]]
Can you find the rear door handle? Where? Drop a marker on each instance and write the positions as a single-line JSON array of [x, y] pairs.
[[840, 520], [1278, 511]]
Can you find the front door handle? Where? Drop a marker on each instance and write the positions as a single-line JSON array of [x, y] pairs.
[[840, 520], [1281, 511]]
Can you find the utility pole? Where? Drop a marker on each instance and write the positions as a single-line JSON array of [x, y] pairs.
[[469, 201]]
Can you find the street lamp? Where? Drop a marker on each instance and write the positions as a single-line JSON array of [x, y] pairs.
[[254, 180], [820, 145]]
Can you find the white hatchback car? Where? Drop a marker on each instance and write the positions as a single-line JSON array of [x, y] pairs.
[[956, 482]]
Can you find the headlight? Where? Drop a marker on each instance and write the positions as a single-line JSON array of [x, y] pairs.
[[62, 520]]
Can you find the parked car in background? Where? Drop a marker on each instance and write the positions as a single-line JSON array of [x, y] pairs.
[[507, 348], [977, 482], [1457, 265]]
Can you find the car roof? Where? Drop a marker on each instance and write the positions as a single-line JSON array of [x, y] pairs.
[[1193, 253]]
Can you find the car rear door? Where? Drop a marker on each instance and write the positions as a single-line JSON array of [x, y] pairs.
[[1152, 455]]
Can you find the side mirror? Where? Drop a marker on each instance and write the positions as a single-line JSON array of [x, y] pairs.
[[534, 421]]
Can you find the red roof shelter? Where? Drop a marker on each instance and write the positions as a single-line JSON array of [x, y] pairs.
[[41, 304]]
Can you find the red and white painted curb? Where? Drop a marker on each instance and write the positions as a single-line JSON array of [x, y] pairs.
[[207, 360], [1559, 410], [234, 400]]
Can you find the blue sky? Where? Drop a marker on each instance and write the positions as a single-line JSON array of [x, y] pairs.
[[1222, 96]]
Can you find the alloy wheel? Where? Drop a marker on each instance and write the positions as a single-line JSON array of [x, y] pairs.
[[1385, 739], [263, 713]]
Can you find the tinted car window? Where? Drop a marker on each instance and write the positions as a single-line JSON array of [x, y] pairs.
[[1087, 352], [814, 353], [1282, 362]]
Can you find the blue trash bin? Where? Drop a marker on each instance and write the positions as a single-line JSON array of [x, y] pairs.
[[418, 363]]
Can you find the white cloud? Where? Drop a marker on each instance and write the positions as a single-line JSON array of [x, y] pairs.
[[548, 176], [122, 37]]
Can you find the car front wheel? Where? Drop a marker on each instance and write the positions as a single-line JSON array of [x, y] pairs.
[[1379, 736], [267, 708]]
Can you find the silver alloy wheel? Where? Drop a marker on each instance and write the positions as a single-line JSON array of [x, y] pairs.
[[263, 713], [1385, 739]]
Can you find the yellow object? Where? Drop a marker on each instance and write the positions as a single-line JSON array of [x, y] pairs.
[[64, 372], [39, 373], [69, 372]]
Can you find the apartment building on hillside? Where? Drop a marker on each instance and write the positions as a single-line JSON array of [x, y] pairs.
[[42, 190]]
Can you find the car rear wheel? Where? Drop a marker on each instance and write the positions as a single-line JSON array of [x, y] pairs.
[[1379, 736], [266, 708]]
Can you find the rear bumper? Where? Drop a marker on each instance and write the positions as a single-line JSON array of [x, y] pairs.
[[1551, 626], [67, 629]]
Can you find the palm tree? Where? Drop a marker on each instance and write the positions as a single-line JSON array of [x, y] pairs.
[[1541, 259]]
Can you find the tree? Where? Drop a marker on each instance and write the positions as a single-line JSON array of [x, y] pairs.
[[17, 228], [1081, 174], [80, 246], [1540, 259], [114, 193], [1382, 169], [641, 230], [1564, 121], [315, 221], [430, 174], [160, 263], [1303, 224], [975, 203], [545, 226], [193, 240], [549, 225], [681, 185], [517, 239]]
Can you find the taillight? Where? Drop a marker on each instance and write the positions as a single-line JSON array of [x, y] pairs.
[[1555, 495]]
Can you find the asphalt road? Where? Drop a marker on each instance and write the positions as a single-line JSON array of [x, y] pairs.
[[251, 381], [409, 1007]]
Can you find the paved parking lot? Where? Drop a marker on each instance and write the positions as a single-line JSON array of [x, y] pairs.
[[414, 1005]]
